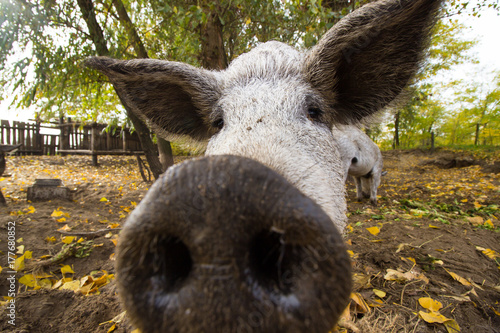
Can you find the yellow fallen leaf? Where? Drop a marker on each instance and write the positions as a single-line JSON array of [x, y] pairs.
[[375, 303], [345, 316], [19, 263], [72, 285], [432, 317], [495, 311], [66, 269], [430, 304], [373, 230], [61, 220], [57, 284], [379, 293], [1, 269], [19, 240], [489, 223], [459, 298], [68, 239], [85, 290], [361, 281], [28, 280], [114, 225], [43, 275], [492, 254], [349, 229], [359, 300], [477, 205], [451, 326], [103, 280], [410, 259], [65, 228], [50, 239], [103, 199], [114, 240], [20, 249], [56, 213], [458, 278], [394, 275], [433, 227], [28, 254], [45, 283], [464, 200]]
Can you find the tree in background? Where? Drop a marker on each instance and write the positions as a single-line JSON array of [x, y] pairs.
[[45, 41], [476, 119]]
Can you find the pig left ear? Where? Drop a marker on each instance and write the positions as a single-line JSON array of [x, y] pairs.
[[172, 97], [364, 62]]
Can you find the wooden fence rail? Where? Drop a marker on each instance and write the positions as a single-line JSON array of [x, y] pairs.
[[69, 138]]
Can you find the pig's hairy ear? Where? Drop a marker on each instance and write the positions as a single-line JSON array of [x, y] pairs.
[[365, 61], [173, 98]]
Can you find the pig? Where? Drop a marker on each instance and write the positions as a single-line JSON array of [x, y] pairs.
[[248, 238], [362, 160]]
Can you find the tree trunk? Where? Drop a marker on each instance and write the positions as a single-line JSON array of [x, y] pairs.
[[149, 148], [432, 142], [166, 157], [476, 139], [164, 148], [395, 143], [213, 54], [133, 36], [88, 12]]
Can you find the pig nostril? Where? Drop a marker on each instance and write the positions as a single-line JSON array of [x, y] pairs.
[[272, 261], [171, 263]]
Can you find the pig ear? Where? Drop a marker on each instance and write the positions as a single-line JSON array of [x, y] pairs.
[[365, 60], [174, 98]]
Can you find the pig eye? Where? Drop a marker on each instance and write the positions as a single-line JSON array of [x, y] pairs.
[[218, 123], [314, 113]]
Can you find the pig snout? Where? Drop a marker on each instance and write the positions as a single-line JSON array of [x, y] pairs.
[[225, 244]]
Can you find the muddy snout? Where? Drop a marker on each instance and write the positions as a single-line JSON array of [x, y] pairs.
[[225, 244]]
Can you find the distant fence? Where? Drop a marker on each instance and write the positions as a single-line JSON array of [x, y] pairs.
[[69, 138]]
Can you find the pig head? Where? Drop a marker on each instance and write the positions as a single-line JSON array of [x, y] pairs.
[[362, 160], [248, 239]]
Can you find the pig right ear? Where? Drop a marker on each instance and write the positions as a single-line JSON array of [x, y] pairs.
[[172, 97], [364, 61]]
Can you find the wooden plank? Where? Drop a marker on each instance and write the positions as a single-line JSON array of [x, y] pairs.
[[99, 152], [71, 138], [21, 134], [5, 138], [109, 144], [27, 141]]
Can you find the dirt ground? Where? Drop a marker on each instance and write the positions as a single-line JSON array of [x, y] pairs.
[[434, 234]]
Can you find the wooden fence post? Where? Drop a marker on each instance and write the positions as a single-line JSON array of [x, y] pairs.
[[93, 144]]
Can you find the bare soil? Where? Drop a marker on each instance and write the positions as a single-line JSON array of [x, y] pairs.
[[431, 221]]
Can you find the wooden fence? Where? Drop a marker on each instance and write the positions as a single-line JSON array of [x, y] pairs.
[[69, 138]]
